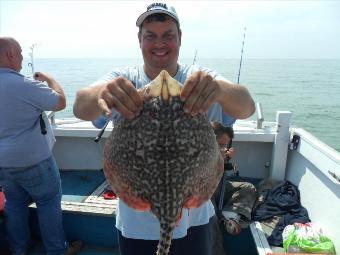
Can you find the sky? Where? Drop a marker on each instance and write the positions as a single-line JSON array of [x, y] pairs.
[[106, 29]]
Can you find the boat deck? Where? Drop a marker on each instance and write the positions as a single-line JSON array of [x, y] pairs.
[[86, 250], [87, 216], [87, 182]]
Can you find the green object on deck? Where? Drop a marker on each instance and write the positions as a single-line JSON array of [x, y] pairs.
[[306, 238]]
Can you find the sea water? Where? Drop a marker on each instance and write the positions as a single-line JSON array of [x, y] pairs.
[[310, 89]]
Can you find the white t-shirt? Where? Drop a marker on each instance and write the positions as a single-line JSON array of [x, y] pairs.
[[145, 225]]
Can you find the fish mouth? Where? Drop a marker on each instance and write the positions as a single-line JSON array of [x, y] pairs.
[[163, 86]]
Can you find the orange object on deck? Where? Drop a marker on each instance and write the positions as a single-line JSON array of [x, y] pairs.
[[2, 201]]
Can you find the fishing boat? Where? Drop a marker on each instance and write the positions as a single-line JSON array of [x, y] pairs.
[[264, 150]]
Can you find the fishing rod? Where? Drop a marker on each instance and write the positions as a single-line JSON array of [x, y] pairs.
[[101, 132], [195, 58], [31, 54], [227, 164], [31, 65], [239, 69]]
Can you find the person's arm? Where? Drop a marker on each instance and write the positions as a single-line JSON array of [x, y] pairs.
[[86, 105], [200, 91], [235, 99], [54, 85], [119, 93]]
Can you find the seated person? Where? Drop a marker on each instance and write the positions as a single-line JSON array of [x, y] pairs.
[[239, 197]]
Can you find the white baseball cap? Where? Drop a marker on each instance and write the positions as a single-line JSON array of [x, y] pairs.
[[157, 8]]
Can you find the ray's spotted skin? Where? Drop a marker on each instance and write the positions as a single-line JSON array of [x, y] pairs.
[[164, 159]]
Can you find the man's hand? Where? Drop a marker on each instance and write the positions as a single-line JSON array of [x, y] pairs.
[[121, 95], [39, 76], [53, 84], [227, 153], [199, 92]]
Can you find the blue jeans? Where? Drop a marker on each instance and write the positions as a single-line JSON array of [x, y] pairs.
[[40, 183]]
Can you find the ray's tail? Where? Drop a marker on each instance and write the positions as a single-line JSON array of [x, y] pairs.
[[165, 237]]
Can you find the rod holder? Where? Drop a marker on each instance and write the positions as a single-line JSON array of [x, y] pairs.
[[260, 117]]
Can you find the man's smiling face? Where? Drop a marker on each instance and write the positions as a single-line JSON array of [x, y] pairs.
[[160, 43]]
